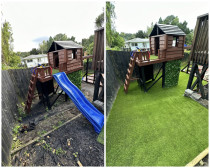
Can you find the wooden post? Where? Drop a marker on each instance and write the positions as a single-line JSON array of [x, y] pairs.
[[143, 78], [150, 43], [191, 75], [87, 63], [97, 85]]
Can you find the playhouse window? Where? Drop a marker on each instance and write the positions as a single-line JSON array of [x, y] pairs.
[[74, 53], [175, 41], [30, 60]]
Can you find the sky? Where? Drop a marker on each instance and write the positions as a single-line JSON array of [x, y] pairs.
[[132, 16], [35, 21]]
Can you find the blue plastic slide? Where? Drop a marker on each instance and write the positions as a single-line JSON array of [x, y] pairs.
[[87, 109]]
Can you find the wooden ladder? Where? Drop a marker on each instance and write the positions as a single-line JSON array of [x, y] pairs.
[[31, 90], [130, 72]]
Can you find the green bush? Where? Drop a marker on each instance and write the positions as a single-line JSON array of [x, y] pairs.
[[76, 78], [172, 70]]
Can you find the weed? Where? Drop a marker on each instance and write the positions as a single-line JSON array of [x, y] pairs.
[[75, 154], [46, 146], [60, 151], [21, 110], [19, 119], [45, 116], [16, 144], [58, 124], [26, 153], [16, 129]]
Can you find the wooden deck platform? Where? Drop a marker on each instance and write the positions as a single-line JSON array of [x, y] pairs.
[[90, 79], [156, 61]]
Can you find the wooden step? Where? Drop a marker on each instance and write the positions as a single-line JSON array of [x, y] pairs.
[[125, 88], [30, 88], [131, 59], [33, 76], [129, 71], [126, 82], [31, 82], [130, 65], [127, 77], [29, 95]]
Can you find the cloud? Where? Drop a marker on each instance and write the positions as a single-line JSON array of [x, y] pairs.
[[40, 39]]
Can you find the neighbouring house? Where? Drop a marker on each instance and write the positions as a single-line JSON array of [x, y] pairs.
[[34, 60], [137, 42]]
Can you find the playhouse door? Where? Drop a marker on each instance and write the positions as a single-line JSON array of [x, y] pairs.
[[157, 45]]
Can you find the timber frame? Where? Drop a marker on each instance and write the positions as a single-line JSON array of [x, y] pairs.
[[98, 64], [199, 55]]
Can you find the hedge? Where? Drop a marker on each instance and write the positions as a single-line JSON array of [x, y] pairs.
[[76, 78], [172, 69]]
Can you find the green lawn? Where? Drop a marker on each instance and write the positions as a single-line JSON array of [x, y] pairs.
[[152, 57], [158, 128]]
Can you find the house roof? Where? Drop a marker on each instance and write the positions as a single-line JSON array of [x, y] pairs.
[[58, 45], [166, 29], [137, 40], [35, 56]]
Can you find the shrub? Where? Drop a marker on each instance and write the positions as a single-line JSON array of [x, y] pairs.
[[76, 78], [172, 69]]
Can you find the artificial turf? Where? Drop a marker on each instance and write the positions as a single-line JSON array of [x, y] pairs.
[[157, 128]]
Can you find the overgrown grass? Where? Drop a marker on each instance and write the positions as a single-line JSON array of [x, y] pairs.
[[152, 57], [100, 138], [6, 67], [158, 128], [54, 71]]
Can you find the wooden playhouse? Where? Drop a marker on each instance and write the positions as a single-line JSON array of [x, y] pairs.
[[66, 56], [167, 43]]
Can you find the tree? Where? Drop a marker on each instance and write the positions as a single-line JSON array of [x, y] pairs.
[[110, 16], [149, 29], [49, 42], [174, 20], [118, 41], [60, 37], [43, 47], [141, 34], [88, 44], [127, 36], [99, 20], [9, 58], [34, 51], [6, 36], [72, 38], [160, 21], [90, 48]]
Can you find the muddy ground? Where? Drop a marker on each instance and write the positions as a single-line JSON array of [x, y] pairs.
[[70, 145]]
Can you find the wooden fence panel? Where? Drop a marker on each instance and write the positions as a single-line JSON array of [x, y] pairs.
[[15, 84]]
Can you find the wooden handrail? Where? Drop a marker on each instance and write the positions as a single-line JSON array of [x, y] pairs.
[[87, 56]]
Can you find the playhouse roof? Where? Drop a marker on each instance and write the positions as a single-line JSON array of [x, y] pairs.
[[166, 29], [35, 56], [58, 45], [137, 40]]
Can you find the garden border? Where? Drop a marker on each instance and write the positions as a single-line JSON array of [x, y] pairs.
[[37, 138], [198, 158]]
